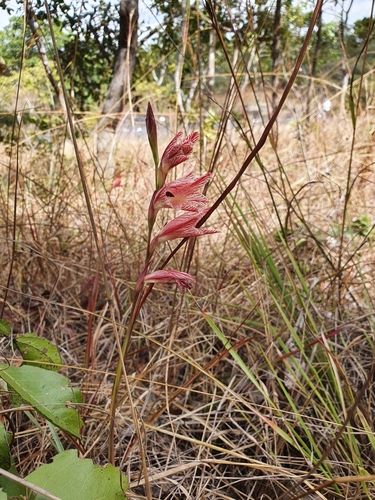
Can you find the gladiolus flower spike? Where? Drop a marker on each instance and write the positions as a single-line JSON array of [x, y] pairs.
[[175, 153], [183, 280], [182, 194]]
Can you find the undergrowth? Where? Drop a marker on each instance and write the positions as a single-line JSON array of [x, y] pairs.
[[257, 383]]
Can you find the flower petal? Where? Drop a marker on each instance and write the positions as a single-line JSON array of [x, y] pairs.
[[182, 227], [182, 194], [183, 280], [175, 153]]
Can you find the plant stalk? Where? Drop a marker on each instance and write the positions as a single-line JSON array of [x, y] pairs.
[[120, 369]]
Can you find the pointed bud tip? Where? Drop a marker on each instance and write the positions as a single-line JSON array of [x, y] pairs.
[[152, 133], [150, 119]]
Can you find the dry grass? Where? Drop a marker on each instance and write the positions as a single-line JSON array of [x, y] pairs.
[[209, 429]]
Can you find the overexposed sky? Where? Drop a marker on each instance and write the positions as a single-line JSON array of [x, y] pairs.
[[359, 10]]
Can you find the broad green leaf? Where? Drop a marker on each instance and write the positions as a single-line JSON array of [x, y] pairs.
[[48, 393], [5, 440], [15, 400], [4, 328], [3, 495], [33, 348], [11, 488], [71, 478]]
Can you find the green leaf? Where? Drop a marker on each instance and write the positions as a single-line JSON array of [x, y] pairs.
[[12, 488], [5, 440], [4, 328], [9, 487], [33, 348], [3, 495], [48, 393], [71, 478]]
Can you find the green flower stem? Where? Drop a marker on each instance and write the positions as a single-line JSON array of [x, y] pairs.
[[119, 371]]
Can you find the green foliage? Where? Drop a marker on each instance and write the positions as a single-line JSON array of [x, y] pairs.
[[34, 82], [362, 225], [359, 226], [11, 42], [33, 348], [210, 124], [88, 51], [11, 488], [68, 477], [86, 40], [5, 440], [362, 29], [71, 478], [4, 328], [49, 394]]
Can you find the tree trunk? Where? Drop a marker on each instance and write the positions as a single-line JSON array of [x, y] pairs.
[[120, 84], [119, 87]]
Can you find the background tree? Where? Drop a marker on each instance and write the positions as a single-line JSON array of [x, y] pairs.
[[38, 40], [98, 46], [124, 63], [87, 34], [88, 52]]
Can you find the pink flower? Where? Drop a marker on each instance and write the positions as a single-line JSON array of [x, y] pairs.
[[116, 181], [175, 153], [183, 280], [182, 194], [182, 227]]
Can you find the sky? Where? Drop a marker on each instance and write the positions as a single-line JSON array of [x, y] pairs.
[[359, 10]]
